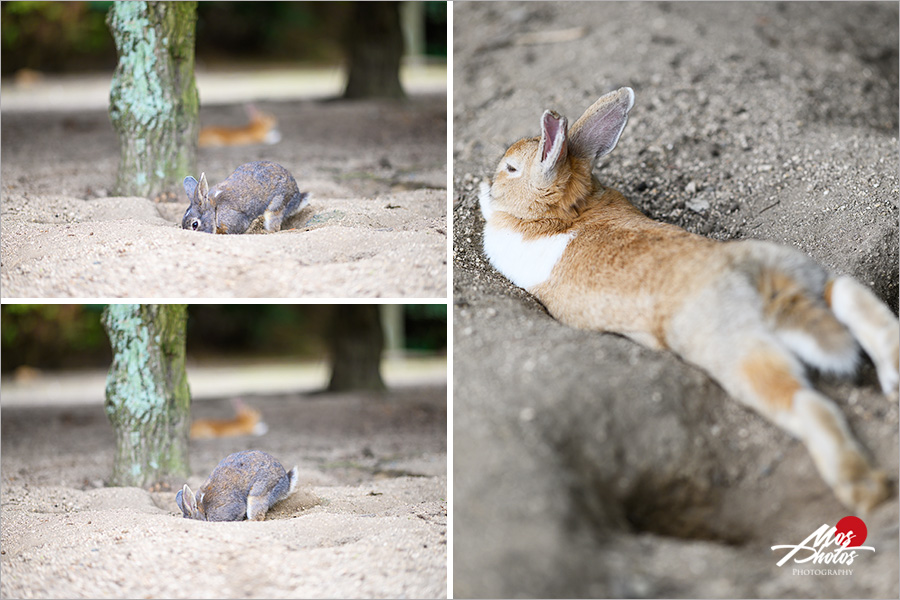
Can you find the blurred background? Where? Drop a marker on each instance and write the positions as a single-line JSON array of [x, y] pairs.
[[60, 37], [58, 353], [283, 49]]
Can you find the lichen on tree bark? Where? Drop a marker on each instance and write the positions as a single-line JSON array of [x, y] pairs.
[[147, 395], [153, 98]]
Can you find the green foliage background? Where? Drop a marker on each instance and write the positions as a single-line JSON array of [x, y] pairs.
[[72, 36], [71, 336]]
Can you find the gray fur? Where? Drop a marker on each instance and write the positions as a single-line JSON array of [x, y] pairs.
[[245, 485], [253, 189]]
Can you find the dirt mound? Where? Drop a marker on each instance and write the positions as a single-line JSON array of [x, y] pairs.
[[376, 225], [369, 519]]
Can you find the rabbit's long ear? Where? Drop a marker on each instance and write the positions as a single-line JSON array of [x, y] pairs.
[[188, 503], [553, 149], [204, 186], [597, 131], [190, 186]]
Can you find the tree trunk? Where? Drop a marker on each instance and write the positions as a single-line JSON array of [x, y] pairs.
[[356, 342], [153, 102], [374, 44], [147, 396]]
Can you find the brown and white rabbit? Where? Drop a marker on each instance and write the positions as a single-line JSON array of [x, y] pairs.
[[244, 485], [747, 312], [262, 128], [246, 421]]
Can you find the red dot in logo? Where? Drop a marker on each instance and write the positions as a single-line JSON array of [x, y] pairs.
[[855, 527]]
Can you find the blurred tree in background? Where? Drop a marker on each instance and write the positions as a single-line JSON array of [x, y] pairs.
[[72, 36], [374, 45], [355, 343], [71, 336]]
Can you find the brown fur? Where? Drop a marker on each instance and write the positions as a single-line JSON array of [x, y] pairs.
[[740, 310], [558, 204], [826, 293], [254, 132], [243, 423], [790, 306], [636, 270], [772, 379]]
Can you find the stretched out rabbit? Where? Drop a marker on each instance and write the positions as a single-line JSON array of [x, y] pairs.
[[244, 485], [747, 312], [230, 206]]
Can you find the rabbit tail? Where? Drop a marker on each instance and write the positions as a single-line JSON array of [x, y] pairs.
[[796, 302], [296, 204], [293, 477], [826, 323], [804, 323]]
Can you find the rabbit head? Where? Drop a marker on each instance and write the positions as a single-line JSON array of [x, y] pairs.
[[550, 176], [201, 214], [191, 507]]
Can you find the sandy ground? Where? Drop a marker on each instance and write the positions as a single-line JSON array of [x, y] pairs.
[[369, 521], [584, 464], [376, 225]]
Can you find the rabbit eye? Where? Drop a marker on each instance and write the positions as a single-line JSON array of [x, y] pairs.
[[195, 224], [510, 168]]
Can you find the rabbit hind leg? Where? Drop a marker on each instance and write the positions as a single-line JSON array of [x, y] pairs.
[[279, 209], [274, 213], [769, 378], [257, 507], [872, 323]]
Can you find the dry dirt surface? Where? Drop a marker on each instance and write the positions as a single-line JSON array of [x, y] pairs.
[[586, 465], [376, 225], [369, 519]]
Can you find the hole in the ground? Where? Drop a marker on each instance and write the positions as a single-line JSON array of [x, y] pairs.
[[681, 509], [688, 504]]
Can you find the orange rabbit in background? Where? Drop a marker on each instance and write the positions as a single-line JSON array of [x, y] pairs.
[[262, 129], [247, 421]]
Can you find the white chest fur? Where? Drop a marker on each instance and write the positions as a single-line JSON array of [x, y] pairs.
[[526, 263]]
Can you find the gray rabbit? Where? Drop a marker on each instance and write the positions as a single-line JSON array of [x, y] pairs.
[[230, 206], [245, 484]]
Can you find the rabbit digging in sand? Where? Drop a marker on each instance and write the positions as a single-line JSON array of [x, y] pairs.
[[244, 485], [230, 206], [749, 313]]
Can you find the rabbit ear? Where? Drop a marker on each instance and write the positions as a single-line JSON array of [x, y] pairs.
[[190, 186], [186, 501], [553, 148], [204, 186], [596, 132]]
